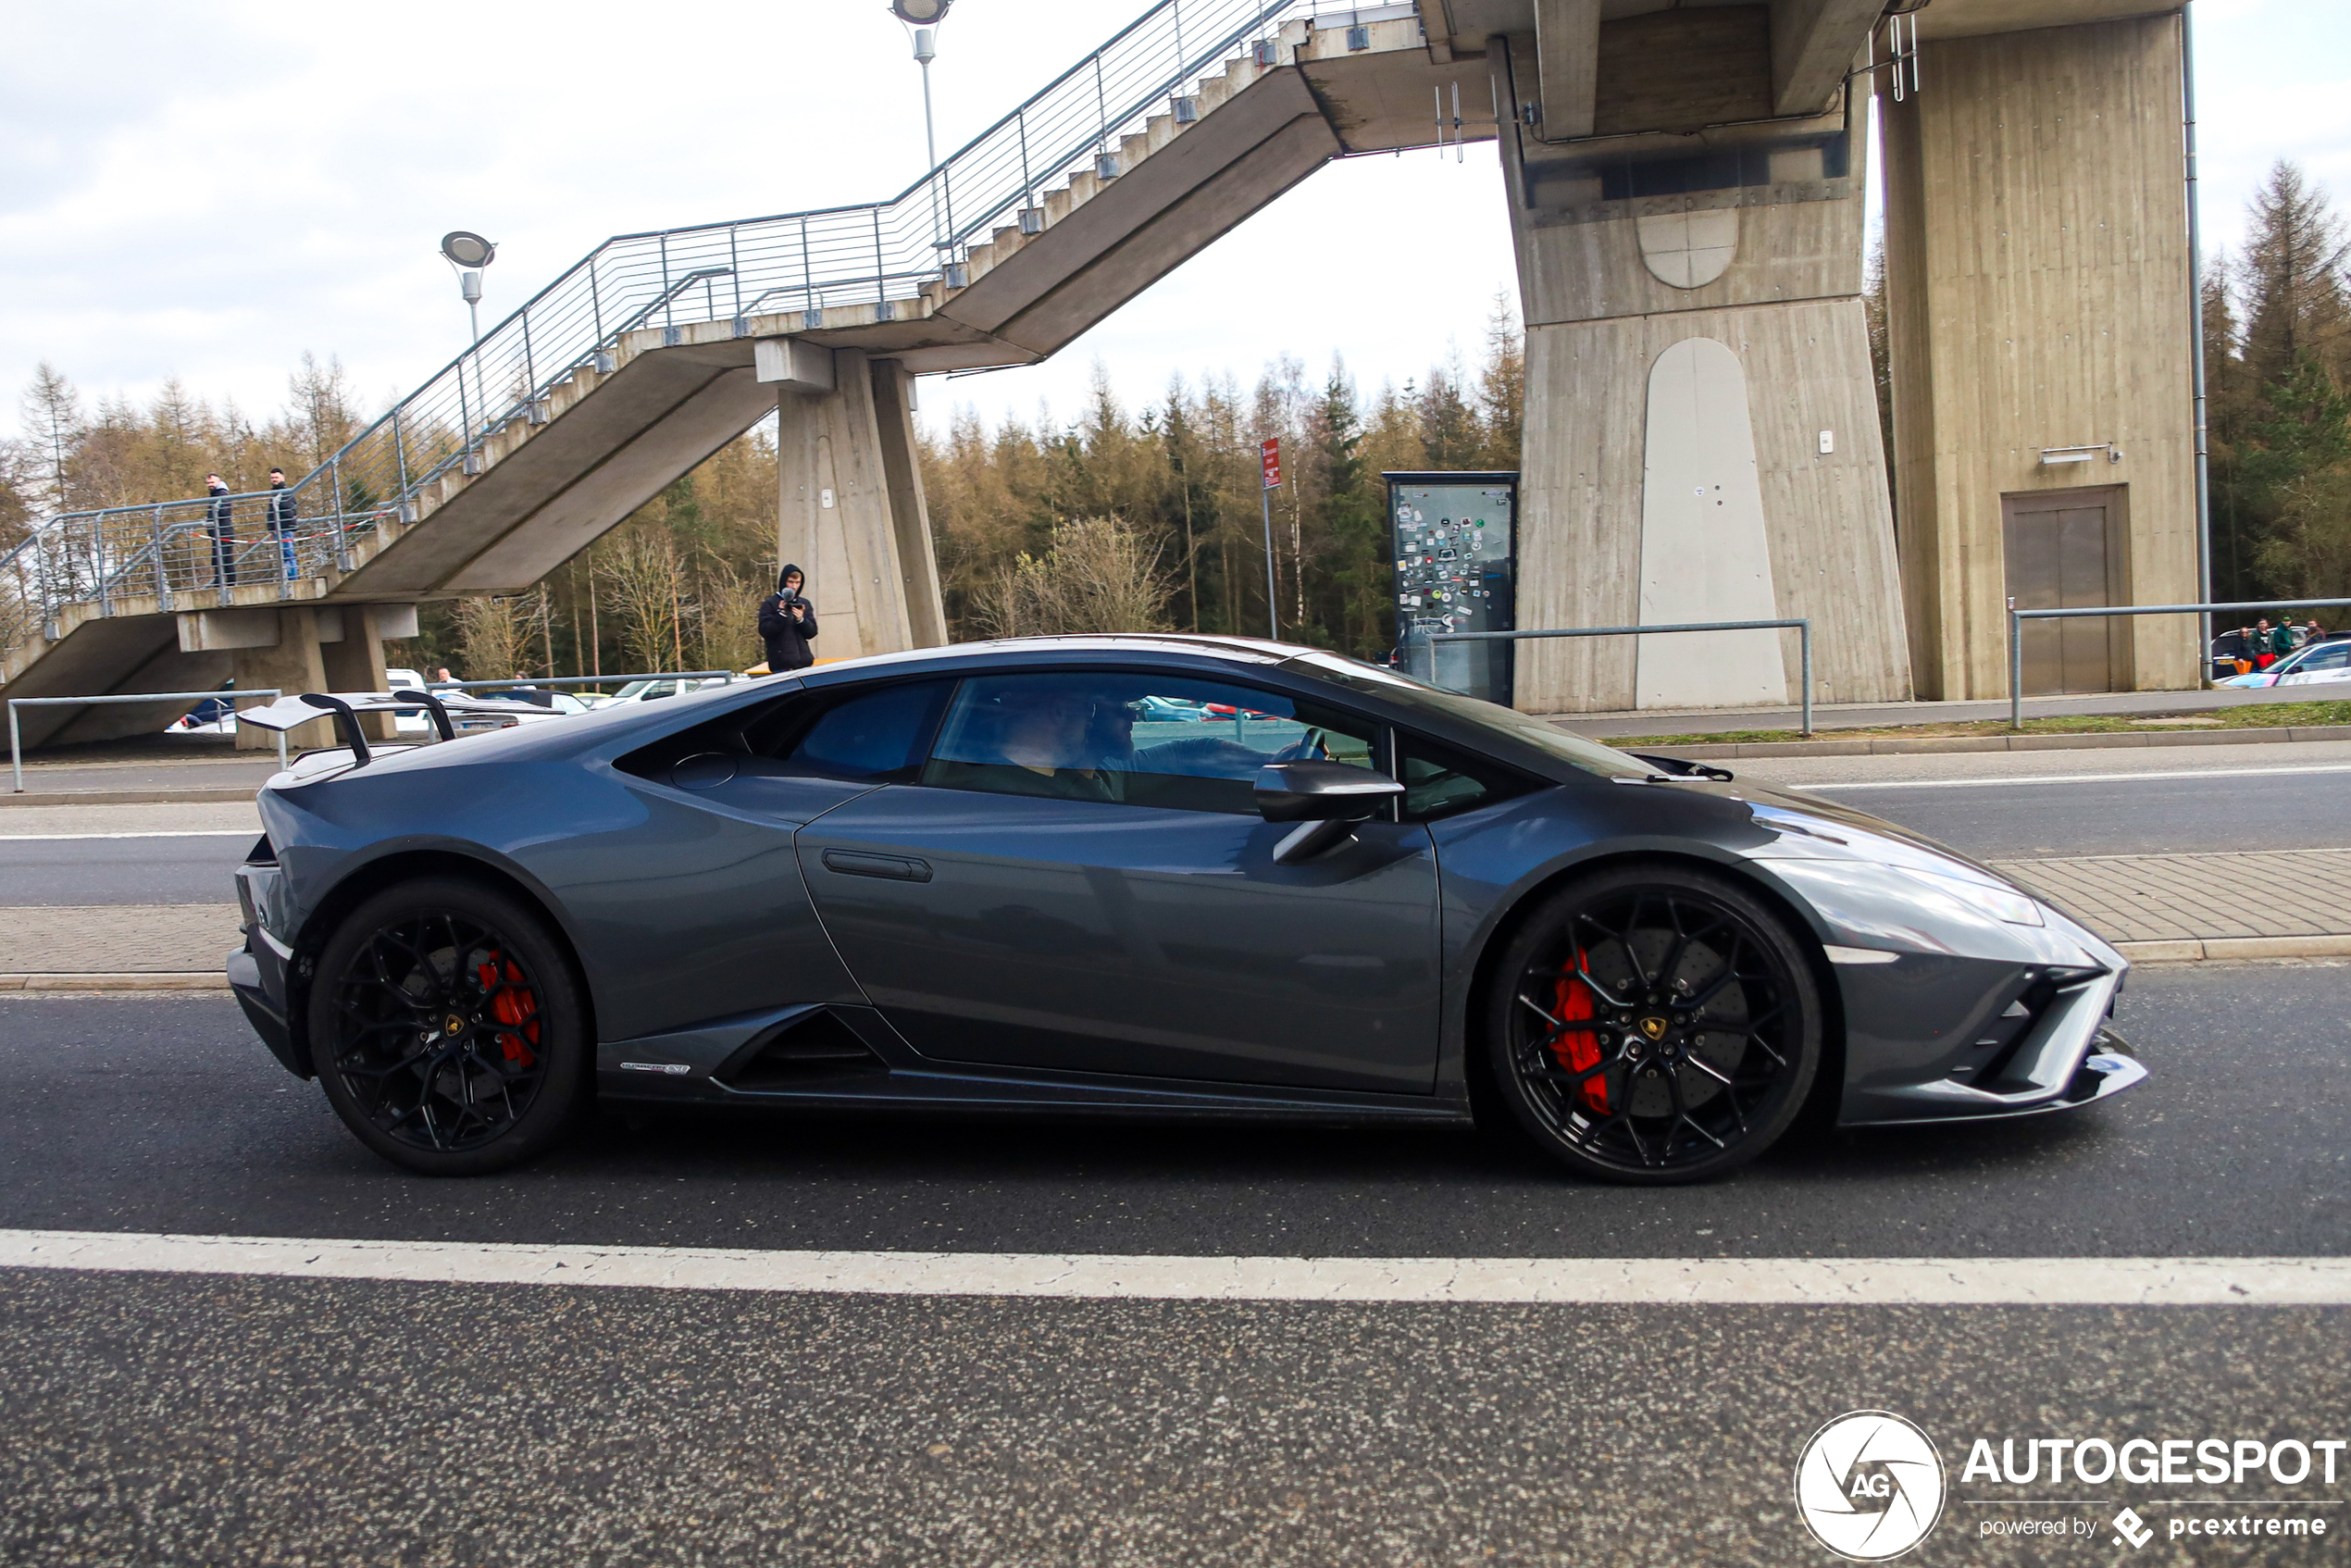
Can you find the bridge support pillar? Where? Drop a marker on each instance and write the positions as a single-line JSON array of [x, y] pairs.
[[851, 511], [286, 655], [1702, 437], [2039, 312]]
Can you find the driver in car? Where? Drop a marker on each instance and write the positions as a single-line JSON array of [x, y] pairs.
[[1044, 744]]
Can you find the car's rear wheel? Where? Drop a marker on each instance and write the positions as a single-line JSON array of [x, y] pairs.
[[1654, 1024], [448, 1029]]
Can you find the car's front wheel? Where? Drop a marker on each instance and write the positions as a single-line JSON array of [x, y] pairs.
[[447, 1028], [1654, 1024]]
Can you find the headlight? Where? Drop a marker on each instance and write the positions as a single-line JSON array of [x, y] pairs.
[[2006, 904]]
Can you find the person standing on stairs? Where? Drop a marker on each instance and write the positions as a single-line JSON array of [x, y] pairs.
[[220, 523], [787, 621], [282, 519]]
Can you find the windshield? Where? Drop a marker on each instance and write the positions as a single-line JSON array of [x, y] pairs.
[[1525, 728]]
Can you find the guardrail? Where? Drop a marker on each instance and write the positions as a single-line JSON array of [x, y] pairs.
[[2203, 656], [1428, 640], [16, 734], [873, 254]]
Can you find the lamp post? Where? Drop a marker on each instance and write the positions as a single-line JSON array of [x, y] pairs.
[[924, 17], [467, 254]]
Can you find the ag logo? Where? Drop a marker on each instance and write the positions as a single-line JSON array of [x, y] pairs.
[[1870, 1485]]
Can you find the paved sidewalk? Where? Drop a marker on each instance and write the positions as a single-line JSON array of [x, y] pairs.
[[2158, 907], [120, 938], [2155, 898], [1851, 716]]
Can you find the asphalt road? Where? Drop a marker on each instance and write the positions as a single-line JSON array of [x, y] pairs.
[[2118, 814], [49, 872], [172, 1419]]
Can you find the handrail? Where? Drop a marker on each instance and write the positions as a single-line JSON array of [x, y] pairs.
[[2203, 656]]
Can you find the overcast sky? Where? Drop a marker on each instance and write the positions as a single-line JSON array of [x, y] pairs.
[[207, 188]]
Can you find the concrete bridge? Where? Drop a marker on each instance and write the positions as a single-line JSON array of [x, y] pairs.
[[1702, 442]]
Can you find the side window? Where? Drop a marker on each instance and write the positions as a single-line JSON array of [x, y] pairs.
[[1439, 782], [874, 736], [1134, 740], [2328, 656]]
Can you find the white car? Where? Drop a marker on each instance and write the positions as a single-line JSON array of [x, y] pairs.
[[650, 690], [2314, 664]]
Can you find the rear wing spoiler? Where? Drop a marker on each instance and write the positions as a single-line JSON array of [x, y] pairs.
[[344, 708]]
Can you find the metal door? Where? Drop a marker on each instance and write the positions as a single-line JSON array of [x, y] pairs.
[[2064, 551], [1098, 938]]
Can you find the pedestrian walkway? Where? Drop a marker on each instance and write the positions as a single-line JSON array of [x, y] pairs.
[[2157, 907], [2199, 898], [134, 943]]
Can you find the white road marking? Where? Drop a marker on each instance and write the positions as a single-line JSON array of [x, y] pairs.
[[2068, 778], [1728, 1281], [188, 833]]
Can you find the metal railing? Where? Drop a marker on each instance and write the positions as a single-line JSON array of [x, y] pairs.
[[1416, 641], [2203, 656], [798, 265], [16, 734]]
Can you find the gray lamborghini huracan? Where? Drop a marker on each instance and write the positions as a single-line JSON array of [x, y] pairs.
[[1154, 876]]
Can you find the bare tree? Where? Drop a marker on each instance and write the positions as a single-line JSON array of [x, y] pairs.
[[648, 592], [1100, 574], [493, 635], [730, 619]]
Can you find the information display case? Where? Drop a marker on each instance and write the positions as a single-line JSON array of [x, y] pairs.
[[1456, 554]]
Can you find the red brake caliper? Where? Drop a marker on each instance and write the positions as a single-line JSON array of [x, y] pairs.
[[1579, 1050], [512, 1006]]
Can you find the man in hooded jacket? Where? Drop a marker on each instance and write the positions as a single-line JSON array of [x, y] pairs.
[[787, 621]]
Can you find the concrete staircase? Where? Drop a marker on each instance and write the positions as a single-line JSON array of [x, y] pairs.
[[458, 500]]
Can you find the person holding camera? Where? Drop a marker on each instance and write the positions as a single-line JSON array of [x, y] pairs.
[[787, 620]]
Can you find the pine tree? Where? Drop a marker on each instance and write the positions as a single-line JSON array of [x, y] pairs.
[[2291, 277]]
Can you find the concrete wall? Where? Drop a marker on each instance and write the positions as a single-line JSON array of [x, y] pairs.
[[2038, 282]]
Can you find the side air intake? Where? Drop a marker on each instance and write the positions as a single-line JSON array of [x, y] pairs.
[[813, 1047]]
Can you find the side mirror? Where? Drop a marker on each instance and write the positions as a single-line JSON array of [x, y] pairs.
[[1327, 799]]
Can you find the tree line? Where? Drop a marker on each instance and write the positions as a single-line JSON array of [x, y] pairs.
[[1117, 519], [1149, 518]]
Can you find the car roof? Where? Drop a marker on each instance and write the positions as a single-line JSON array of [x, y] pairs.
[[1235, 650]]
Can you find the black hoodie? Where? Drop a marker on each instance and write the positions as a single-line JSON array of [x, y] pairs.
[[786, 639]]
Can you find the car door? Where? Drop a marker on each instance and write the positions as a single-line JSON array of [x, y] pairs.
[[1080, 882], [2323, 665]]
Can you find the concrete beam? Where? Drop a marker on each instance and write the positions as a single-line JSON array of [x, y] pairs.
[[792, 366], [1814, 42], [215, 631], [1567, 50]]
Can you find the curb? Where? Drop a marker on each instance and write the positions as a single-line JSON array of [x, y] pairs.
[[1890, 746], [2205, 950], [154, 980], [127, 797]]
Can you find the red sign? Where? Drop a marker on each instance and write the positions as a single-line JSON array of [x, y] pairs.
[[1271, 452]]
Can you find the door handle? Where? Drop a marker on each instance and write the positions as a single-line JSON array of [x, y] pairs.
[[892, 868]]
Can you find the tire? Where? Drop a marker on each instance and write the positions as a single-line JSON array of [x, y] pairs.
[[1704, 1025], [500, 1088]]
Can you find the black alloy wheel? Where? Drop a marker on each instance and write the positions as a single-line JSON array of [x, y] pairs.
[[447, 1028], [1655, 1025]]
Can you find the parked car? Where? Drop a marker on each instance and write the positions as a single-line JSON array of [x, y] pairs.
[[2316, 664], [649, 691], [966, 879]]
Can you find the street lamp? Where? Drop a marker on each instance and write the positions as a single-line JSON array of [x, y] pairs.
[[924, 17], [468, 253]]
